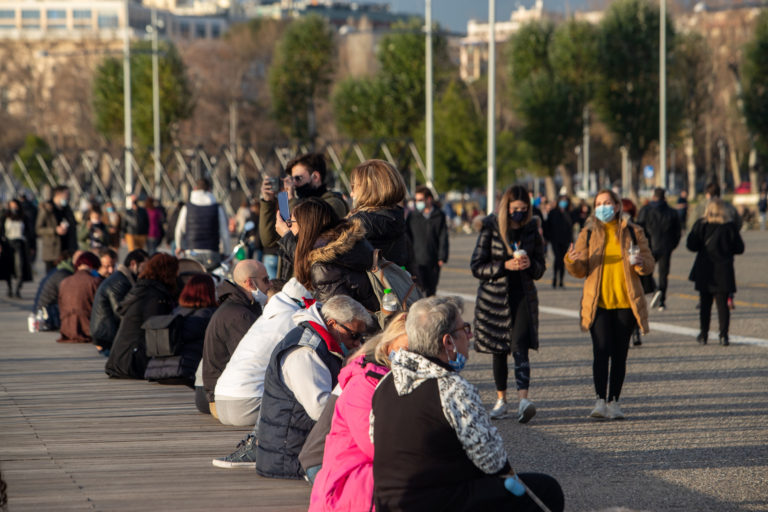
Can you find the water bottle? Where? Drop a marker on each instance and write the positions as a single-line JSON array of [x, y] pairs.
[[31, 323], [40, 318], [389, 304]]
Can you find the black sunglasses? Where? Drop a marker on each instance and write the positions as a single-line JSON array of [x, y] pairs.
[[354, 336]]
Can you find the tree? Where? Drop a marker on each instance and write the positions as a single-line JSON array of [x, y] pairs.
[[755, 82], [628, 61], [33, 146], [175, 96], [300, 74]]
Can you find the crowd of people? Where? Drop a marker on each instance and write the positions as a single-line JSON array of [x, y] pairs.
[[299, 344]]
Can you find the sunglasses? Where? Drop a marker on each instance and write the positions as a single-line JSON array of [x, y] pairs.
[[466, 328], [354, 336]]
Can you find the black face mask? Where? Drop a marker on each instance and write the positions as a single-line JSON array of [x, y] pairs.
[[307, 190], [518, 217]]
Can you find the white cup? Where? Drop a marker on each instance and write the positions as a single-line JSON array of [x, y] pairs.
[[634, 254]]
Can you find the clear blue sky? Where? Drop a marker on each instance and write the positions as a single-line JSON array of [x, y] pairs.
[[454, 14]]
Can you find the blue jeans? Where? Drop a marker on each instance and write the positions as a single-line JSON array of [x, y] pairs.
[[270, 261], [312, 473]]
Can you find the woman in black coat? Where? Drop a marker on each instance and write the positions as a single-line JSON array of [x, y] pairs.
[[197, 302], [15, 233], [377, 191], [508, 257], [332, 255], [558, 231], [715, 240], [153, 294]]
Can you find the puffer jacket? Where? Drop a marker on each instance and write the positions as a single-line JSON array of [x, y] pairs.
[[385, 230], [339, 266], [590, 266], [345, 481], [715, 245], [493, 318], [104, 319]]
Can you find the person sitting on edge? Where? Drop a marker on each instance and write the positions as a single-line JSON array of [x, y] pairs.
[[47, 296], [76, 294], [108, 262], [434, 445], [240, 306], [302, 371], [241, 385], [111, 291]]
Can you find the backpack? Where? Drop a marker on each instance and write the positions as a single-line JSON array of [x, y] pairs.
[[162, 334], [385, 274]]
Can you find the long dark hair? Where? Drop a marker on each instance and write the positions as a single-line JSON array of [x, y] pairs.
[[314, 217], [199, 292], [163, 269], [513, 193]]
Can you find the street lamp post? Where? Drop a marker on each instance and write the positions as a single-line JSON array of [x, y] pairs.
[[663, 94], [491, 190], [156, 103], [429, 112], [128, 134]]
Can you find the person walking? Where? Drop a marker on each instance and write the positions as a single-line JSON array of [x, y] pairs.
[[136, 225], [428, 232], [610, 253], [508, 258], [715, 240], [156, 220], [57, 227], [15, 261], [201, 227], [558, 231], [762, 204], [662, 226]]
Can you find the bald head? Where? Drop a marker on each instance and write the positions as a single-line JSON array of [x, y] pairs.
[[251, 275]]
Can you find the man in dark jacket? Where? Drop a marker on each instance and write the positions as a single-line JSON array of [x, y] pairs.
[[104, 318], [47, 297], [201, 227], [301, 374], [57, 227], [306, 178], [136, 225], [662, 225], [241, 304], [428, 231]]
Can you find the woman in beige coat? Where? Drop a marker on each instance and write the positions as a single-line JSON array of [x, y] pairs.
[[611, 253]]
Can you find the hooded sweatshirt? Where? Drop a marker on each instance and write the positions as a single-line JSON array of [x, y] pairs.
[[244, 375]]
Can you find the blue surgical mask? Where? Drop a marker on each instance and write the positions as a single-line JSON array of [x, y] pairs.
[[563, 204], [62, 203], [344, 349], [604, 212], [421, 205], [459, 363]]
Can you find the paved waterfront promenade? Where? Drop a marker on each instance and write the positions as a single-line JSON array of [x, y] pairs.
[[695, 437]]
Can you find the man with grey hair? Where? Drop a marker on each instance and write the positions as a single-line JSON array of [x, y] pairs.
[[436, 448], [301, 373]]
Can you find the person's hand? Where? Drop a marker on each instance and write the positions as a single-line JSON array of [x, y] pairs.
[[573, 254], [61, 230], [638, 261], [524, 262], [280, 225], [178, 252], [267, 194], [289, 187], [440, 263]]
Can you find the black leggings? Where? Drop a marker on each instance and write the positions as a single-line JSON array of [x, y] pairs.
[[522, 370], [558, 250], [611, 332], [705, 311]]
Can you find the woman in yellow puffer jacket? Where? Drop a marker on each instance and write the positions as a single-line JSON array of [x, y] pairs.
[[611, 253]]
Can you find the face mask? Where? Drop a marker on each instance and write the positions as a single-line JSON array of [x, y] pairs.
[[259, 297], [63, 202], [306, 190], [459, 363], [111, 210], [518, 216], [604, 212], [563, 204], [344, 349], [421, 205]]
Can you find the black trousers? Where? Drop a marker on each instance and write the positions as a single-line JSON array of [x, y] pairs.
[[428, 276], [558, 250], [662, 264], [705, 311], [611, 332]]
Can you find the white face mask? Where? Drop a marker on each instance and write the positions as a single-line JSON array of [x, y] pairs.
[[259, 297]]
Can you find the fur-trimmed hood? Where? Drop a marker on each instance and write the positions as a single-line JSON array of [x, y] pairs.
[[345, 242]]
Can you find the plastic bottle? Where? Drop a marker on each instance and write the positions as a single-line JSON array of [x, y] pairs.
[[31, 323], [389, 304]]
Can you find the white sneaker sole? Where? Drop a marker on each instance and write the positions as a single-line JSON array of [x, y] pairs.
[[233, 465], [528, 413], [598, 415], [498, 415]]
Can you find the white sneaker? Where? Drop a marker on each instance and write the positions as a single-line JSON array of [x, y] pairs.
[[656, 298], [614, 411], [499, 409], [526, 411], [600, 410]]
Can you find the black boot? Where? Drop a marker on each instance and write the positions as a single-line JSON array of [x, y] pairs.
[[702, 338], [724, 340]]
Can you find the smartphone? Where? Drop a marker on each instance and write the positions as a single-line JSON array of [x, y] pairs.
[[282, 204]]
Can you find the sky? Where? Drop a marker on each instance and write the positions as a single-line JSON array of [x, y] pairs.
[[454, 14]]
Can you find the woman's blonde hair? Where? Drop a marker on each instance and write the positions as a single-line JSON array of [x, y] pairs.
[[377, 184], [715, 212], [377, 348], [513, 193]]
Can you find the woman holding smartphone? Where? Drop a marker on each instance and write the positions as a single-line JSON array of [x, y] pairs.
[[611, 253]]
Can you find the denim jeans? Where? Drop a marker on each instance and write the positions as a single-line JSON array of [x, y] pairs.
[[270, 261]]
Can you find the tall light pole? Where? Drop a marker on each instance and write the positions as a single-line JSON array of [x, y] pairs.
[[128, 134], [491, 190], [585, 145], [663, 94], [429, 113], [156, 104]]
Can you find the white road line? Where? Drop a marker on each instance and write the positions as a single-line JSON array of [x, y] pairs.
[[655, 326]]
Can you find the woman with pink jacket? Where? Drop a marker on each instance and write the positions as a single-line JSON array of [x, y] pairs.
[[345, 481]]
